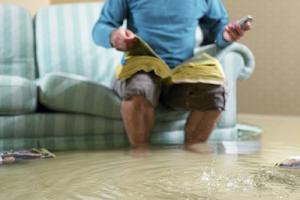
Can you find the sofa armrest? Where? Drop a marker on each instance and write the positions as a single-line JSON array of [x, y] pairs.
[[241, 71]]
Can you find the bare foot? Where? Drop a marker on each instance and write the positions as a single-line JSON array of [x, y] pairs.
[[140, 151], [202, 148]]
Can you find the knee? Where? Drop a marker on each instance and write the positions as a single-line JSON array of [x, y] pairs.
[[143, 86], [137, 103], [140, 102]]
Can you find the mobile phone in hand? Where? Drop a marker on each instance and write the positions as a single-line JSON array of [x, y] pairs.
[[243, 21]]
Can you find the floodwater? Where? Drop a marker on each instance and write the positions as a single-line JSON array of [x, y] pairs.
[[227, 170]]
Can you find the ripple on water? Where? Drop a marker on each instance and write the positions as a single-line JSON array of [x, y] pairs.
[[166, 174]]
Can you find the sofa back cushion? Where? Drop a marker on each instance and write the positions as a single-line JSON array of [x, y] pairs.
[[64, 42], [16, 42]]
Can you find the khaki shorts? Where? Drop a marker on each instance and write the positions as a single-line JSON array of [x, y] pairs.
[[185, 96]]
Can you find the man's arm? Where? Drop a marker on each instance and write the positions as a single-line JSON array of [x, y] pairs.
[[214, 23], [216, 28], [112, 16]]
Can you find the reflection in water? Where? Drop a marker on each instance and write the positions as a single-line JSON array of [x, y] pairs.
[[225, 170], [241, 147]]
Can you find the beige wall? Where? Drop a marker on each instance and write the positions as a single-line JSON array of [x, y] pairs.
[[275, 41], [32, 5]]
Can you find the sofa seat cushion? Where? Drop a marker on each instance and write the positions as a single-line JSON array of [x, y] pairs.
[[73, 93], [66, 92], [18, 95], [65, 131]]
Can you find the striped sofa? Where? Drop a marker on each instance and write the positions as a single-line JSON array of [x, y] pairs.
[[55, 84]]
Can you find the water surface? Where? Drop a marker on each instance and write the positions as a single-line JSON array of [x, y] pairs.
[[227, 170]]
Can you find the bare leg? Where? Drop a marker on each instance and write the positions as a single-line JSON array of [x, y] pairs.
[[138, 116], [199, 126]]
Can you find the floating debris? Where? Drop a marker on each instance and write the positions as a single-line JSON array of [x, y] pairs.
[[291, 162], [15, 156]]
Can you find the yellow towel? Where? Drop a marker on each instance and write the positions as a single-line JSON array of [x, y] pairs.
[[201, 68]]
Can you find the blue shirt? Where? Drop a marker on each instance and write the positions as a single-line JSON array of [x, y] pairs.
[[168, 26]]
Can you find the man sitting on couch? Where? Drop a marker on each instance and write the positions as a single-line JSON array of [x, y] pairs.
[[168, 26]]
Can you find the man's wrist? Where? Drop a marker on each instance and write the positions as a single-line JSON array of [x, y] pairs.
[[221, 41], [111, 37]]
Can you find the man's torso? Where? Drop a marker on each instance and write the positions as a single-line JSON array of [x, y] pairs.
[[167, 25]]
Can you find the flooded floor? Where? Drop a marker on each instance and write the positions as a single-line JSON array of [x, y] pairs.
[[227, 170]]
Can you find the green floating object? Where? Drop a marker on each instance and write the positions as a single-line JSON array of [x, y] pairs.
[[33, 154], [46, 153]]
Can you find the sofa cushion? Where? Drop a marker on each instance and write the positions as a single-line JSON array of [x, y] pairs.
[[64, 42], [18, 95], [16, 42], [63, 131], [73, 93]]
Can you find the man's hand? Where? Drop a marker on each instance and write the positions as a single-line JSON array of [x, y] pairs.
[[122, 39], [234, 32]]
